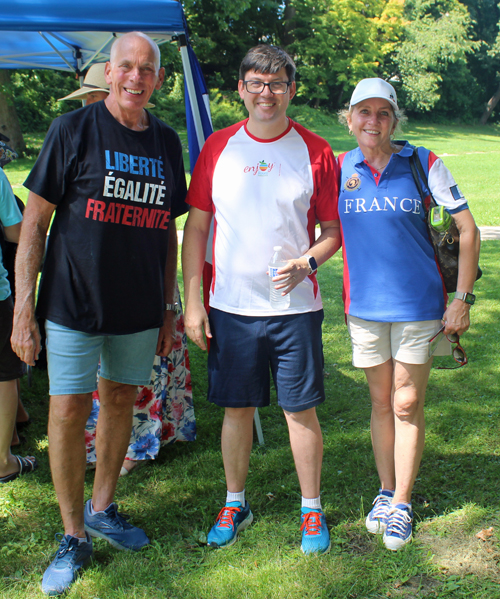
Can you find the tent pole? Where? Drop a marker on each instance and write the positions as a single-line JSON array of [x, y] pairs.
[[44, 36]]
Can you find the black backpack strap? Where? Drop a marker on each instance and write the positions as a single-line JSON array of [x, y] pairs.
[[416, 178], [416, 170]]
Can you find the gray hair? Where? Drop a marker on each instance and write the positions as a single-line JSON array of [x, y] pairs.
[[154, 47]]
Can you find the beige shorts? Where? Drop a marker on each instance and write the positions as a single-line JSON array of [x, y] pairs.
[[373, 343]]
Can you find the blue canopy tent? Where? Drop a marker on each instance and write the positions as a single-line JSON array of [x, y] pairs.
[[70, 36]]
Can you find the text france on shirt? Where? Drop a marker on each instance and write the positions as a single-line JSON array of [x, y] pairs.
[[384, 204], [140, 180]]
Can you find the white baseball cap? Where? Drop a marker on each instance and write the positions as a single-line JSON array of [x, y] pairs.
[[374, 88]]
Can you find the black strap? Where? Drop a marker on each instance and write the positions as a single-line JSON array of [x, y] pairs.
[[416, 169]]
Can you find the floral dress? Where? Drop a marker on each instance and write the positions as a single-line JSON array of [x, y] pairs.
[[163, 411]]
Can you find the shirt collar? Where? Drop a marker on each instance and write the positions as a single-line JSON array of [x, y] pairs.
[[406, 151]]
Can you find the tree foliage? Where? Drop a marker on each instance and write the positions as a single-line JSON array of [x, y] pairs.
[[437, 40], [223, 30], [338, 42], [443, 57]]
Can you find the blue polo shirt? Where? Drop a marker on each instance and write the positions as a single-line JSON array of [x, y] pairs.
[[9, 215], [390, 269]]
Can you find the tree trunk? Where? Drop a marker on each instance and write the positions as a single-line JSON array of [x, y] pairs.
[[9, 122], [289, 25], [490, 107]]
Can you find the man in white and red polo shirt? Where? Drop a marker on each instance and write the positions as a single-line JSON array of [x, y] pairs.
[[265, 181]]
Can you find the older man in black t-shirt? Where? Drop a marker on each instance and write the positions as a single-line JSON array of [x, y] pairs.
[[113, 176]]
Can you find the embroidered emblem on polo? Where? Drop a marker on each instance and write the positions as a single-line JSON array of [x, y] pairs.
[[354, 182]]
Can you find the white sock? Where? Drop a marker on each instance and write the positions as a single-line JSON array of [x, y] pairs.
[[314, 504], [236, 497]]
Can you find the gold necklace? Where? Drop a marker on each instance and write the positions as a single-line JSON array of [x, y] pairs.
[[382, 167]]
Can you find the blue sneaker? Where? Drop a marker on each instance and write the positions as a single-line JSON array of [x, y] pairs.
[[69, 560], [398, 531], [315, 535], [113, 527], [376, 521], [231, 519]]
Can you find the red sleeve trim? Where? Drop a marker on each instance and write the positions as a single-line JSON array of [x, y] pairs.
[[200, 189], [325, 176]]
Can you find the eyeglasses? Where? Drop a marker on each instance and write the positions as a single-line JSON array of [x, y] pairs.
[[276, 87], [458, 351]]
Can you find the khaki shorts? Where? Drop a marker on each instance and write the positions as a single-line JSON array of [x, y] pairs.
[[373, 343]]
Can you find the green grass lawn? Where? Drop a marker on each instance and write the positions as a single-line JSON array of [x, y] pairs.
[[177, 498]]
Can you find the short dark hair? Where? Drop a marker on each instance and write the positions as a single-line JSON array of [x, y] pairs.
[[269, 60]]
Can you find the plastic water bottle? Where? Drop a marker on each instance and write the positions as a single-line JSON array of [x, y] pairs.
[[278, 301]]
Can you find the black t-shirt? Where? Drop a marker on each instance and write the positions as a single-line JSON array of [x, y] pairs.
[[115, 190]]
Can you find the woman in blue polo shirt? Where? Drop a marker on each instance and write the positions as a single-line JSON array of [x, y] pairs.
[[394, 296]]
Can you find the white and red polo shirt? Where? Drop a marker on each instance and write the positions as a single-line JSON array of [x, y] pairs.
[[263, 193]]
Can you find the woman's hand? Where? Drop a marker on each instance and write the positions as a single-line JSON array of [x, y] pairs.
[[456, 317]]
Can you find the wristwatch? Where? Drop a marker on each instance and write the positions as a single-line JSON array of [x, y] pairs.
[[171, 307], [468, 298], [313, 265]]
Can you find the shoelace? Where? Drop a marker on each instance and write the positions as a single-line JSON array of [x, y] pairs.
[[67, 545], [312, 523], [398, 522], [117, 520], [380, 502], [226, 516]]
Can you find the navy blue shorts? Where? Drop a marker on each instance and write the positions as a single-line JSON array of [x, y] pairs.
[[244, 348]]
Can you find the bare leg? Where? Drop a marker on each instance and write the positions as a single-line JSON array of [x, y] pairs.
[[236, 443], [22, 415], [8, 410], [68, 416], [114, 426], [380, 381], [130, 465], [306, 442], [410, 383]]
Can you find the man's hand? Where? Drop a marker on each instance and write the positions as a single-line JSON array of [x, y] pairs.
[[166, 335], [196, 323], [26, 340], [291, 275]]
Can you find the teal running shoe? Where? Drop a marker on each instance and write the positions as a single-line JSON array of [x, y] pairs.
[[315, 535], [231, 520]]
